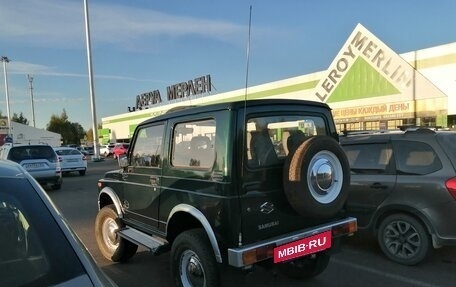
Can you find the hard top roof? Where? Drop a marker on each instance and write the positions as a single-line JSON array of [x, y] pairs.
[[186, 110]]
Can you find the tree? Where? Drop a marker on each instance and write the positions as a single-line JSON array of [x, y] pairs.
[[89, 135], [20, 119], [71, 132]]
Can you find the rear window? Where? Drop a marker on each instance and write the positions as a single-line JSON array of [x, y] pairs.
[[67, 152], [21, 153], [448, 142], [270, 139], [415, 158]]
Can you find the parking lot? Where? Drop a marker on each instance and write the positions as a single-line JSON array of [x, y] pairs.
[[359, 264]]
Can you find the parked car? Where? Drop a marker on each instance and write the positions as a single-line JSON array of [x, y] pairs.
[[120, 149], [208, 185], [40, 161], [403, 189], [87, 150], [71, 160], [37, 245], [106, 150]]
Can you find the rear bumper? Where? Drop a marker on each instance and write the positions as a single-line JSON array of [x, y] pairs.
[[50, 179], [262, 250], [441, 224], [67, 169]]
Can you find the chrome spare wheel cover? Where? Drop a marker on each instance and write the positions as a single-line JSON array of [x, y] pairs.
[[325, 177], [110, 237], [191, 270]]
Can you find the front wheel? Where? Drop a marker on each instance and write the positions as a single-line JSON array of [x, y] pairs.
[[111, 245], [56, 186], [403, 239], [306, 267], [193, 261]]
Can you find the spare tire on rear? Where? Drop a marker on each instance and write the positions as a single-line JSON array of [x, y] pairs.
[[317, 177]]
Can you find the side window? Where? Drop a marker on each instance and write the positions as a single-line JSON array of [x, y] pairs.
[[369, 158], [416, 158], [148, 147], [271, 139], [193, 144]]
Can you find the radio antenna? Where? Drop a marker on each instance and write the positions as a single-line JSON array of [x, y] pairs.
[[244, 134], [248, 55]]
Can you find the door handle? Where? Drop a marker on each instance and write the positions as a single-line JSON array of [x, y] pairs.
[[154, 181], [378, 185]]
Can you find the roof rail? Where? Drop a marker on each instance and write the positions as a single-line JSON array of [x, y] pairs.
[[416, 128], [180, 108], [362, 132]]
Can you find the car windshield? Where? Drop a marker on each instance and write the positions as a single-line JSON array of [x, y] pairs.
[[21, 153], [33, 249]]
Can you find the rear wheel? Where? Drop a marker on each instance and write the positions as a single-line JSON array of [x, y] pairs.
[[111, 245], [404, 239], [82, 172], [193, 261], [56, 186], [306, 267]]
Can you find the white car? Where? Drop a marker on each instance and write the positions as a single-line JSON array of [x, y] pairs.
[[106, 150], [71, 160]]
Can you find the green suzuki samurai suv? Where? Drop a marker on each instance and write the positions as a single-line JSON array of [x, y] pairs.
[[241, 184]]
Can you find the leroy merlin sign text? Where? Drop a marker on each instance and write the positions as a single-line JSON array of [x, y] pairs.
[[373, 52]]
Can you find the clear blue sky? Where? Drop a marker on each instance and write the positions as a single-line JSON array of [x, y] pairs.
[[141, 46]]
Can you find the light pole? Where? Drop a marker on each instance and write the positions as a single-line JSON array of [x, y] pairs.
[[5, 60], [30, 79], [92, 96]]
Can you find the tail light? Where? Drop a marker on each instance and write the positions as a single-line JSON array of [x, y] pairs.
[[451, 186], [84, 157]]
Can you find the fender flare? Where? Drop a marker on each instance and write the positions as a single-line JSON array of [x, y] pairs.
[[202, 219], [114, 198]]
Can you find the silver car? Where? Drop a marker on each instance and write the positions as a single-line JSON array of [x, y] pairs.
[[37, 246], [39, 160]]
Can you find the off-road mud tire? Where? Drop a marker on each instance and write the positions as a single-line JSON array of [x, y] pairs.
[[111, 245]]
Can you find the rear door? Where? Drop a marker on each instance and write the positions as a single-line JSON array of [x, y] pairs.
[[71, 158], [270, 137], [372, 178], [143, 177], [39, 161]]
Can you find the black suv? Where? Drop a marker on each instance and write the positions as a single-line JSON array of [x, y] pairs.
[[403, 189], [243, 183]]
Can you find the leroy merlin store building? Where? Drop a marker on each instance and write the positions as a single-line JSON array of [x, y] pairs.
[[368, 86]]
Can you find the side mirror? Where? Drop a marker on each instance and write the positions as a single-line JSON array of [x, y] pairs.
[[123, 160]]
